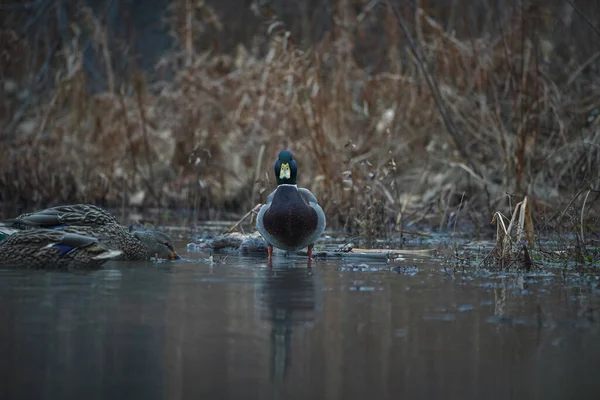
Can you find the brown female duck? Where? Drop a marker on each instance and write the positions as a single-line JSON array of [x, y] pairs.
[[93, 221]]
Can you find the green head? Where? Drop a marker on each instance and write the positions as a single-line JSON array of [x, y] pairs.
[[286, 169]]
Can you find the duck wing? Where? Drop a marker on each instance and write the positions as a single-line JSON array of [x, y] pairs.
[[308, 196]]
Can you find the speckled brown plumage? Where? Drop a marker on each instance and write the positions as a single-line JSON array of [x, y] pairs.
[[93, 221], [75, 214], [51, 249], [118, 237]]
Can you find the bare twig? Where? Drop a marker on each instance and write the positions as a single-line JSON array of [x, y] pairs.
[[249, 213], [582, 67], [458, 212], [581, 220], [452, 130], [584, 16]]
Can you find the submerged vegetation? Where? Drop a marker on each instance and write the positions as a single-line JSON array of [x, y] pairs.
[[401, 116]]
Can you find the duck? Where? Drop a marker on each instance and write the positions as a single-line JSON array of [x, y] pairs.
[[96, 222], [291, 218], [53, 249]]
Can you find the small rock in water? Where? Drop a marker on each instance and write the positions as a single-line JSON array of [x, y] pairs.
[[233, 240], [236, 241]]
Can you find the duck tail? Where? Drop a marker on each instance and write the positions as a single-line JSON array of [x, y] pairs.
[[6, 229]]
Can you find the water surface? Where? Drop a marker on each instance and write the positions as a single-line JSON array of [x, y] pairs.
[[341, 330]]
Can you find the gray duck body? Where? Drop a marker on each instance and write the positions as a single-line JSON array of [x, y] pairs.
[[291, 218]]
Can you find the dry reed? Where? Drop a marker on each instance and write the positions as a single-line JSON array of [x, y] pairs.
[[355, 105]]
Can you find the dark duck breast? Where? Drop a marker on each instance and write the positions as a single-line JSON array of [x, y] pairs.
[[289, 218]]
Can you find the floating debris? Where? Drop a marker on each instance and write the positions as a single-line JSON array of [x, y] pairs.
[[253, 244], [406, 270], [324, 249]]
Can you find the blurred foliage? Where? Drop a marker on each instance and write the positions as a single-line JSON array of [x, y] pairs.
[[185, 104]]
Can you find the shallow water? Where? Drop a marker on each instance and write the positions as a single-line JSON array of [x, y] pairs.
[[341, 330]]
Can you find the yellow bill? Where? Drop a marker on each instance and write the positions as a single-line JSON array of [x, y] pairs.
[[285, 171]]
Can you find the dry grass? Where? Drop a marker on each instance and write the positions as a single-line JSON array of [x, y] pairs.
[[510, 249], [521, 96]]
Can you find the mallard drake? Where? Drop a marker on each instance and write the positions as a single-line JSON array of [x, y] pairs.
[[291, 218], [90, 220], [52, 249]]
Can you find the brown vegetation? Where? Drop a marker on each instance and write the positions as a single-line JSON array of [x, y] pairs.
[[518, 87]]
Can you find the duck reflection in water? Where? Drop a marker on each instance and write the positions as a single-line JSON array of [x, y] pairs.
[[288, 299]]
